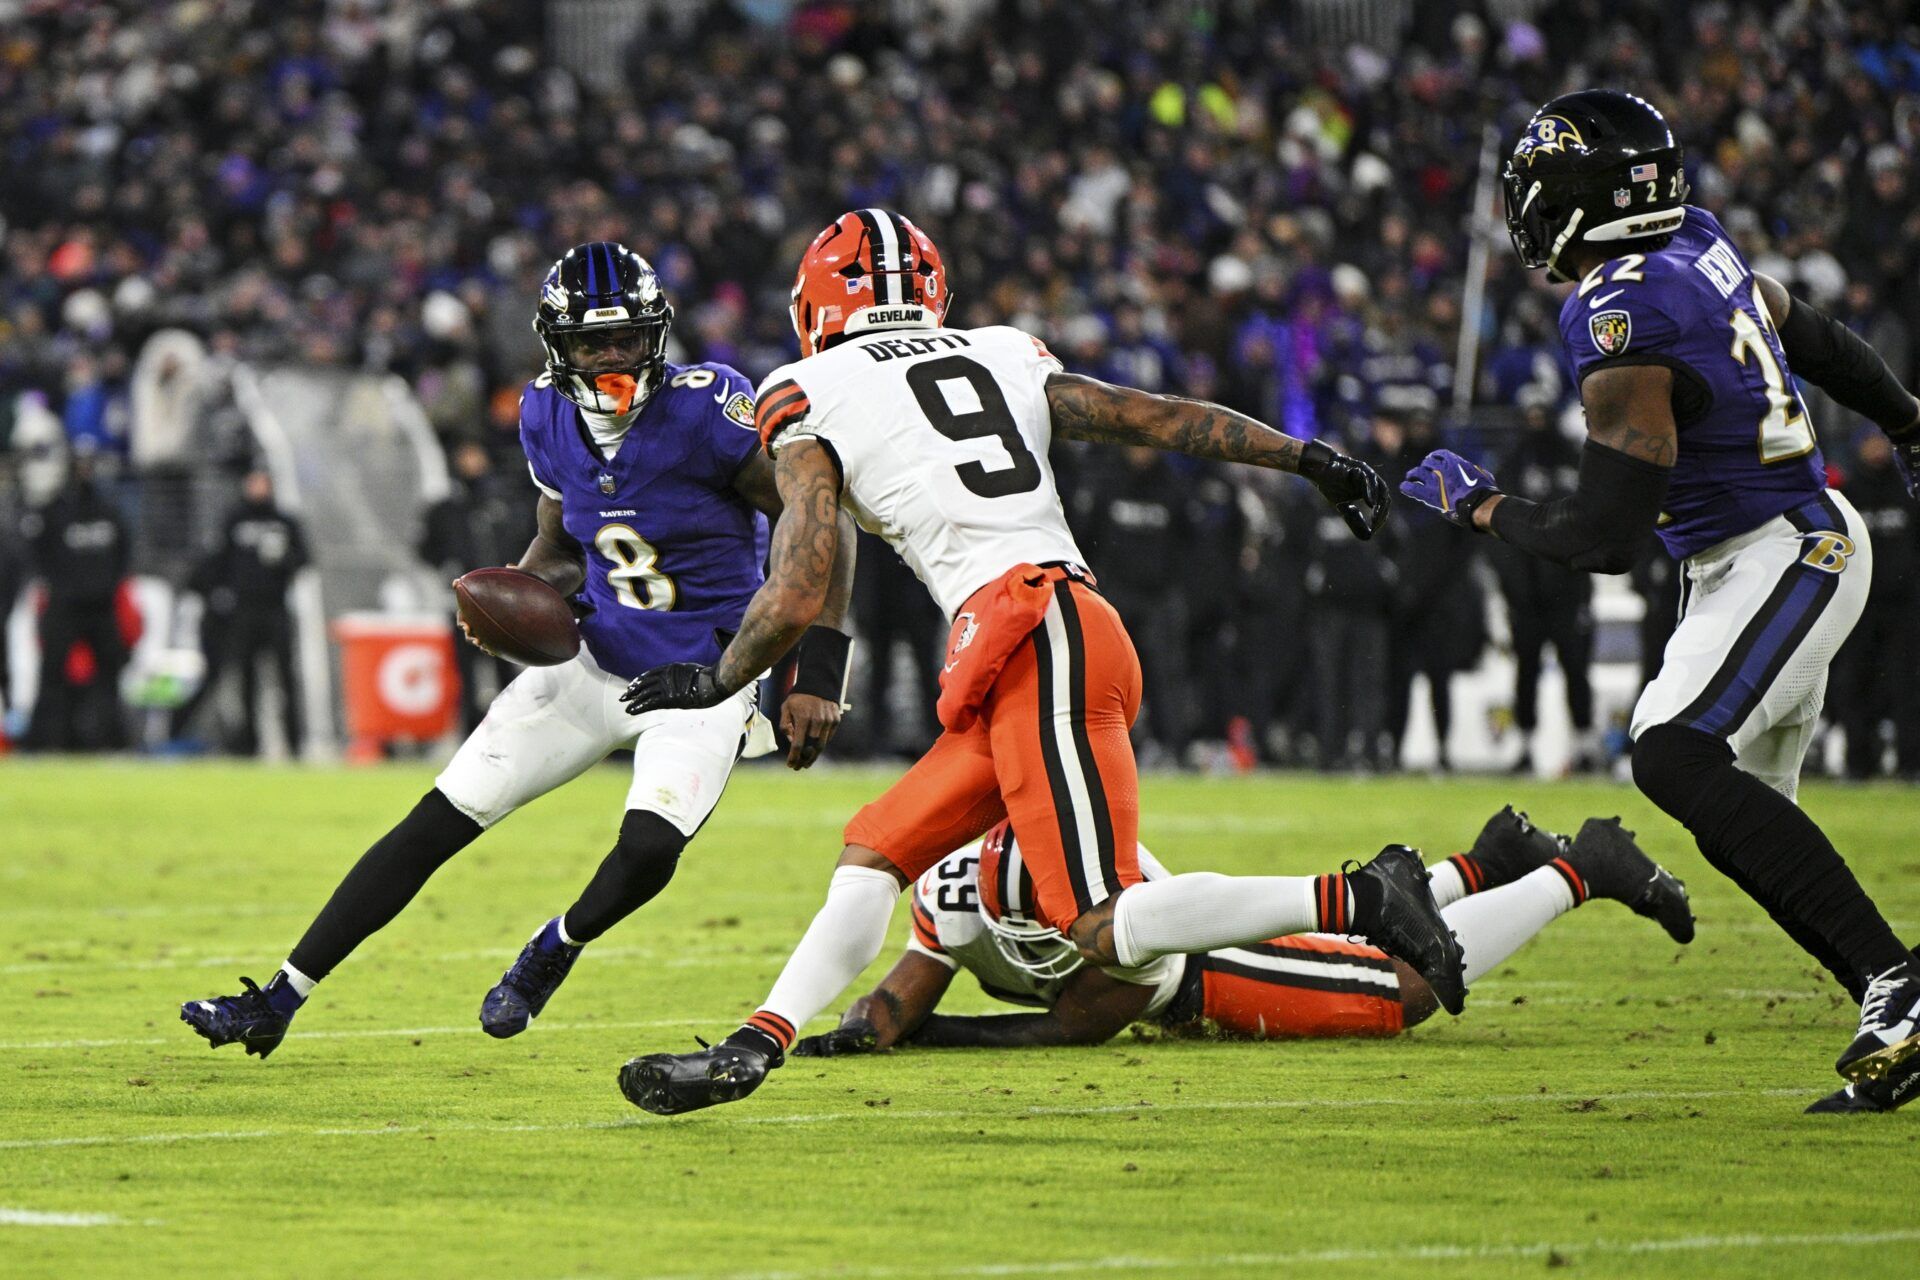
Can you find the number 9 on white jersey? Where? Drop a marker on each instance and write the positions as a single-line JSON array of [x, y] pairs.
[[942, 439]]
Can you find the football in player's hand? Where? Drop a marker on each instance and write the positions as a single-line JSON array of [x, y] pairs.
[[517, 616]]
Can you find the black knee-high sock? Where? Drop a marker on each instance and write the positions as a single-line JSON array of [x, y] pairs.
[[1810, 942], [1769, 846], [631, 876], [382, 882]]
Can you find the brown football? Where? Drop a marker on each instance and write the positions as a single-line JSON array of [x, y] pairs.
[[519, 617]]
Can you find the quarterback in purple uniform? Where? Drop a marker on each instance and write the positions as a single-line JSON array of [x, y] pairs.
[[653, 507], [1685, 360]]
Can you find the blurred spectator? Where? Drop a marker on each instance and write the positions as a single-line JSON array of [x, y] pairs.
[[13, 573], [484, 521], [1272, 656], [1212, 584], [1352, 586], [1546, 604], [1872, 684], [245, 583], [1439, 617], [79, 552], [1135, 535], [1656, 580], [893, 612]]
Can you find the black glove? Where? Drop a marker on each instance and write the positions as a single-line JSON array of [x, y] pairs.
[[857, 1036], [1906, 456], [675, 685], [582, 607], [1350, 486]]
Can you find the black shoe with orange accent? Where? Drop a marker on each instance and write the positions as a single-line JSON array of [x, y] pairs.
[[1508, 847], [1401, 918], [671, 1084], [1606, 863]]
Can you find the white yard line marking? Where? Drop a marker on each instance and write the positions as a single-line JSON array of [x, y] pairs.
[[210, 960], [889, 1113], [1197, 1264], [190, 1042], [35, 1218]]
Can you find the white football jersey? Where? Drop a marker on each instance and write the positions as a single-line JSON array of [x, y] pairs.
[[942, 438], [948, 926]]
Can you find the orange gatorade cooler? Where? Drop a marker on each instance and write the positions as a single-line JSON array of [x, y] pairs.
[[399, 679]]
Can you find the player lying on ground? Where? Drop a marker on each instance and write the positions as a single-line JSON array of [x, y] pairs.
[[937, 439], [1686, 361], [653, 489], [971, 911]]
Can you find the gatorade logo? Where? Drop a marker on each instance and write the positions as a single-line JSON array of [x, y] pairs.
[[410, 679], [1828, 552]]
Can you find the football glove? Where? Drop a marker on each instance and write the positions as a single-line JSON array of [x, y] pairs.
[[1906, 456], [857, 1036], [1350, 486], [673, 686], [1450, 485]]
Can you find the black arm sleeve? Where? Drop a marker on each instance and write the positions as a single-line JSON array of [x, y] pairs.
[[1601, 525], [1837, 360]]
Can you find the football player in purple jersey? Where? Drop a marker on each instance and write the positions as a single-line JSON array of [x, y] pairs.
[[654, 501], [1685, 360]]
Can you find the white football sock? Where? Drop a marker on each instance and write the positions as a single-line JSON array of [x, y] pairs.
[[1201, 910], [1493, 925], [302, 985], [843, 939], [1448, 885]]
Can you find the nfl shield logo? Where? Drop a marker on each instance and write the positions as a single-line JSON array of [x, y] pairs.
[[1622, 197], [1611, 331], [606, 484]]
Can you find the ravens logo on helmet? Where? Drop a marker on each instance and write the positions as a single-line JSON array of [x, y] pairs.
[[1593, 167]]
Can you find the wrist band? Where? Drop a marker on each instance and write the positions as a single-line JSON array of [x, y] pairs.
[[825, 655]]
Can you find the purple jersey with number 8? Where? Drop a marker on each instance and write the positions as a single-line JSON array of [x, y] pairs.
[[673, 552], [1747, 448]]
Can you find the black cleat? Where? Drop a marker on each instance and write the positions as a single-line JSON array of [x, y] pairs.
[[1510, 846], [1613, 866], [248, 1019], [1896, 1089], [671, 1084], [1407, 923], [1889, 1026], [525, 988]]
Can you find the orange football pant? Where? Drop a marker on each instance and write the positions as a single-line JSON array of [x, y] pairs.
[[1050, 751]]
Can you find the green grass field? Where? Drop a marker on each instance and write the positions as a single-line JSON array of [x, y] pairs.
[[1609, 1102]]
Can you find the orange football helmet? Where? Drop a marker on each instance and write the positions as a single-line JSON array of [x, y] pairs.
[[872, 269]]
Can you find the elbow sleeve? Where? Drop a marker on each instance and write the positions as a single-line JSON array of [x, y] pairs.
[[1602, 525], [1839, 362]]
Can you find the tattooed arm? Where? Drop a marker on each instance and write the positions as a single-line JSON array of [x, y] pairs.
[[805, 565], [1092, 1009], [1089, 409], [758, 483], [1632, 442], [887, 1014]]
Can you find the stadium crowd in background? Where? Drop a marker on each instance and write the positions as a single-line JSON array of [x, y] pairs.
[[1217, 199]]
